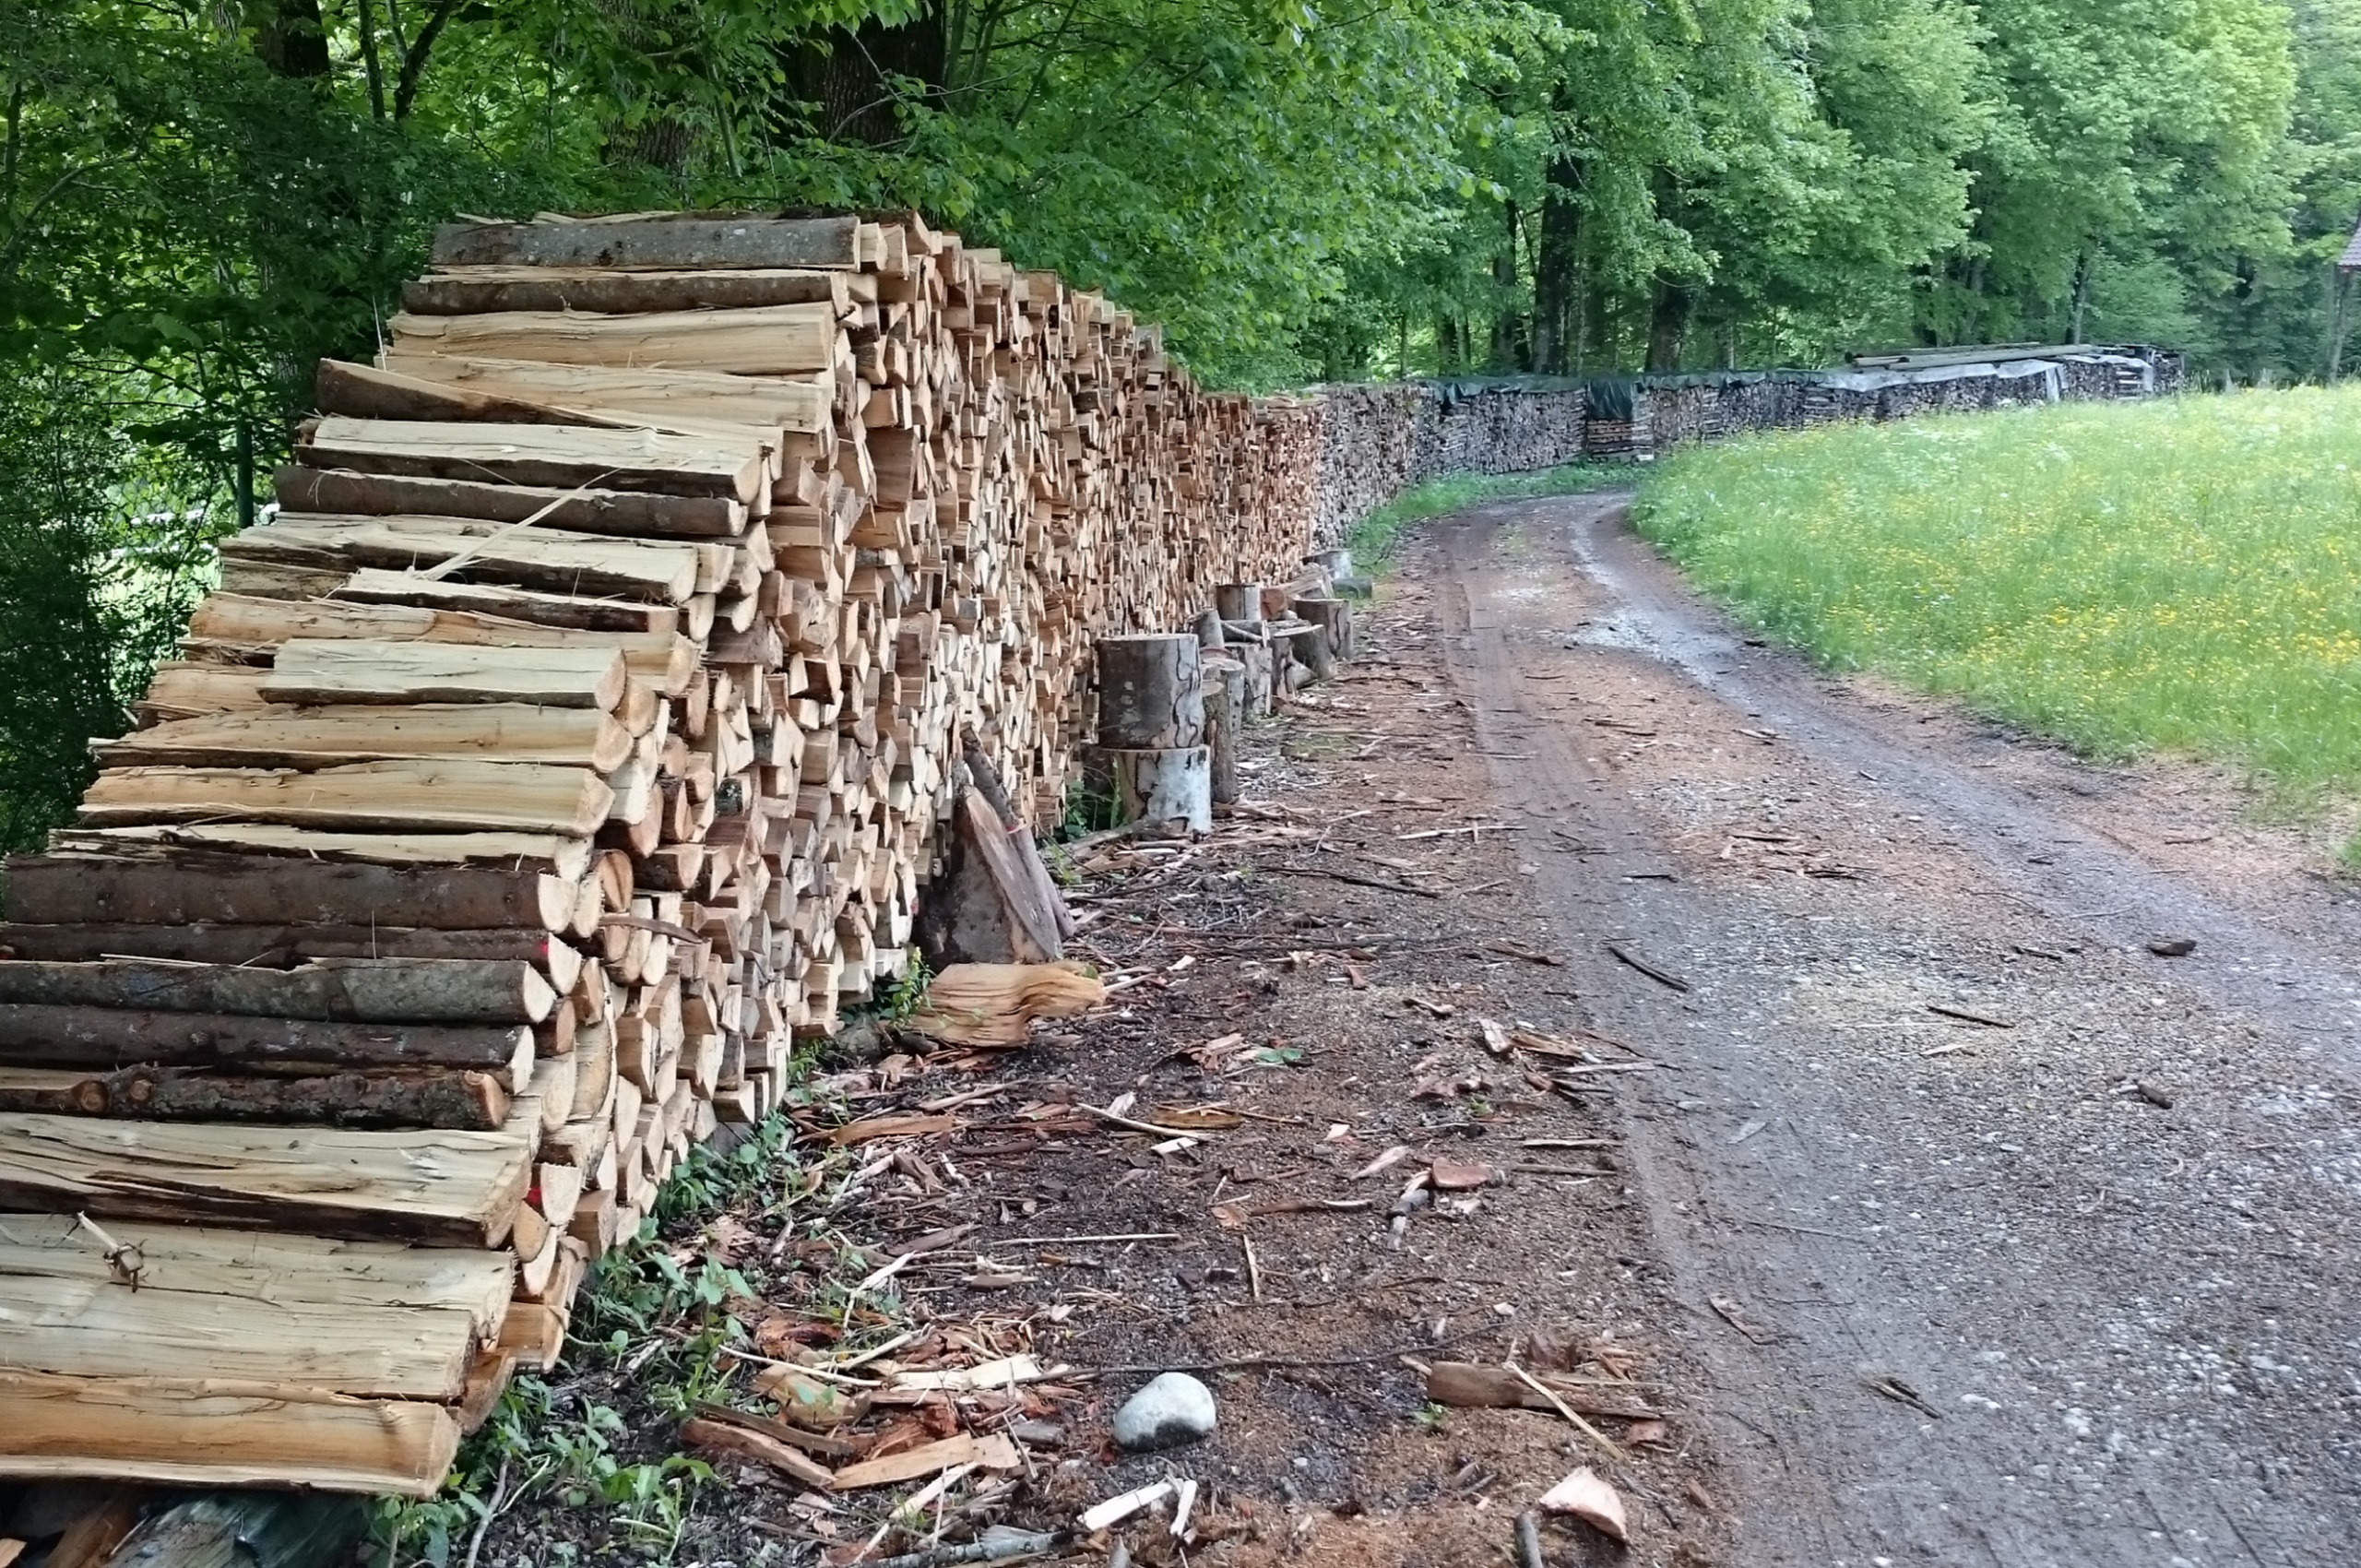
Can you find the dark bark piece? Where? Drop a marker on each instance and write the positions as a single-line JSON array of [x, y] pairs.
[[364, 392], [463, 1101], [632, 514], [1151, 694], [985, 778], [1333, 619], [987, 911], [278, 946], [653, 244], [187, 887], [37, 1035], [417, 990], [1225, 722], [618, 293]]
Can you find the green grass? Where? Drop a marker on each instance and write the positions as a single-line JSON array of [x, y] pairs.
[[1376, 536], [2178, 575]]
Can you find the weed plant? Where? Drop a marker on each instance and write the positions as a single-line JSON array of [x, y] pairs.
[[2177, 575]]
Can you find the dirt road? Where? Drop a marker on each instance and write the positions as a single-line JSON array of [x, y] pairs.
[[2079, 1285]]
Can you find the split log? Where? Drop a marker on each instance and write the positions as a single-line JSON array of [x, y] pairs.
[[329, 669], [194, 888], [337, 990], [441, 794], [985, 909], [480, 291], [563, 456], [284, 946], [687, 401], [632, 514], [1150, 693], [1170, 789], [564, 857], [1258, 690], [381, 606], [287, 736], [773, 340], [668, 244], [35, 1035], [469, 550], [985, 778], [1224, 681], [468, 1101]]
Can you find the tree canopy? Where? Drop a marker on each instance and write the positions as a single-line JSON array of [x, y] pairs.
[[200, 197]]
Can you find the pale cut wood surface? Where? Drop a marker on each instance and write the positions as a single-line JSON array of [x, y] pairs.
[[324, 737], [536, 557], [706, 400], [542, 454], [775, 341], [184, 691], [270, 1268], [386, 606], [335, 669], [447, 1188], [193, 1433], [431, 795], [652, 244], [563, 856]]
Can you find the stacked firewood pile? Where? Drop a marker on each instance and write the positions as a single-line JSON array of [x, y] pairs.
[[572, 739], [1380, 440]]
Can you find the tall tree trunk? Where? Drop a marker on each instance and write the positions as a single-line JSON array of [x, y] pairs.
[[2082, 295], [290, 38], [844, 77], [2341, 287], [1556, 271], [1668, 326], [1508, 325]]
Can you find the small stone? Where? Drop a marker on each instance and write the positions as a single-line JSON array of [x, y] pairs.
[[1172, 1409], [2172, 946]]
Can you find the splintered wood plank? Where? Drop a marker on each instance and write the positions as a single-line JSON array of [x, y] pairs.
[[376, 605], [542, 454], [64, 1317], [688, 400], [175, 887], [484, 289], [775, 341], [557, 855], [183, 1432], [184, 691], [430, 794], [268, 1267], [438, 1187], [633, 514], [326, 737], [535, 558], [362, 392], [653, 244], [420, 990], [336, 669]]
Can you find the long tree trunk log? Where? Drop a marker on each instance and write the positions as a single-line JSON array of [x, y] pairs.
[[414, 990], [1169, 789], [1150, 696], [284, 946], [32, 1035], [1225, 723], [465, 1101], [632, 514], [189, 889]]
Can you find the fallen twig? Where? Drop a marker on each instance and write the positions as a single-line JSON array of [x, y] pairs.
[[1627, 957], [1376, 882], [1966, 1016], [1567, 1410]]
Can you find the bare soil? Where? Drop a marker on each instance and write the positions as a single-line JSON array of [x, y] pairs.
[[1941, 1219]]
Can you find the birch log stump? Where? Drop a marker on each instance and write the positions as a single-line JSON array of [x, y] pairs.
[[1225, 720], [1168, 791], [1334, 619], [1239, 603]]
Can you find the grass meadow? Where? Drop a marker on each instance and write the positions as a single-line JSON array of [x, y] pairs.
[[2182, 575]]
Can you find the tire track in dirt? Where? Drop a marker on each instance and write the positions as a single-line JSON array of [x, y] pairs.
[[2133, 1324]]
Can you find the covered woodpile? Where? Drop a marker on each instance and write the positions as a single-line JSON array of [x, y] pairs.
[[573, 737]]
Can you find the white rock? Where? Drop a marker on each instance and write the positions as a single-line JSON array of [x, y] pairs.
[[1172, 1409]]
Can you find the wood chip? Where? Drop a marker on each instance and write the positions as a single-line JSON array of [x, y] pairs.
[[997, 1451], [1585, 1497]]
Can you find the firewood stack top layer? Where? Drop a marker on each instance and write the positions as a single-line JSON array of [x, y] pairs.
[[573, 737]]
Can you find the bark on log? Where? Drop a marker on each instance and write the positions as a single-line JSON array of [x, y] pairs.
[[462, 1101], [1240, 602], [35, 1035], [1259, 663], [655, 245], [986, 910], [247, 1529], [1150, 694], [413, 990], [1334, 620], [1225, 722], [985, 778], [619, 293], [189, 887], [1211, 633], [629, 513], [284, 946], [1168, 788]]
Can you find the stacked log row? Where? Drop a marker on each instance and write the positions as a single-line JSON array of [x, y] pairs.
[[573, 737]]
